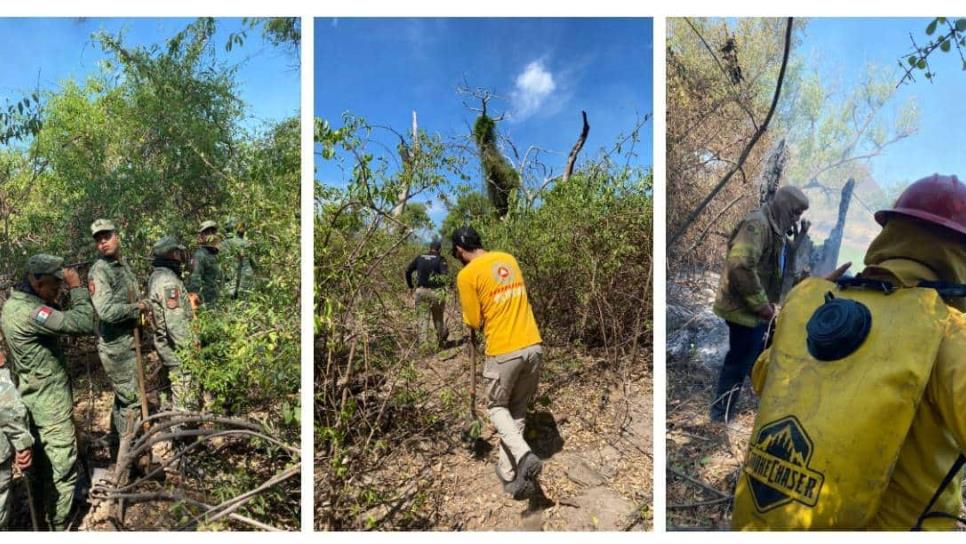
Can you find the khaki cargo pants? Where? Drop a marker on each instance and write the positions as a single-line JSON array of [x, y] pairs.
[[435, 301], [511, 381]]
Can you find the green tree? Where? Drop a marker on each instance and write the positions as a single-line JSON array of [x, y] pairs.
[[501, 179]]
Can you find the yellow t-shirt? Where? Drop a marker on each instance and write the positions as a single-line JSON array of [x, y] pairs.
[[494, 298]]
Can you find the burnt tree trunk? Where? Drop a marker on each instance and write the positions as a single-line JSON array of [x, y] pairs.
[[830, 249], [771, 177], [808, 259], [572, 158]]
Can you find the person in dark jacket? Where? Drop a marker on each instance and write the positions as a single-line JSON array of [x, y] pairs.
[[430, 289]]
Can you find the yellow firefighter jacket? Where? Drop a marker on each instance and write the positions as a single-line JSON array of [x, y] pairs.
[[863, 441]]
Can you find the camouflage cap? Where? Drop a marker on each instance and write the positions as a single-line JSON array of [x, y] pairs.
[[164, 245], [101, 225], [46, 264], [208, 225]]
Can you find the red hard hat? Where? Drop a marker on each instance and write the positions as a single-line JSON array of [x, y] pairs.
[[940, 200]]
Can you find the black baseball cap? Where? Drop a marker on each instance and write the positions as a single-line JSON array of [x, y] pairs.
[[466, 238]]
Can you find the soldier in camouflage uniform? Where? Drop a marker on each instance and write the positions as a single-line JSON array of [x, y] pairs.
[[206, 278], [31, 325], [14, 437], [240, 269], [750, 288], [172, 317], [113, 287]]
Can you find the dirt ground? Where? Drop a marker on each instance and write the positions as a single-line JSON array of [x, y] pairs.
[[93, 399], [704, 458], [593, 431]]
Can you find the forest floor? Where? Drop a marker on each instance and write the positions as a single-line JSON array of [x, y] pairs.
[[591, 427], [704, 458], [93, 400]]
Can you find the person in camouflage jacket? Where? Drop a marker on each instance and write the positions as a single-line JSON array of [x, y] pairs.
[[15, 439], [172, 317], [31, 325], [114, 292], [206, 277], [750, 287], [235, 252]]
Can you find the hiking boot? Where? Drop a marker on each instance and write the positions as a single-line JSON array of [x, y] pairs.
[[524, 483]]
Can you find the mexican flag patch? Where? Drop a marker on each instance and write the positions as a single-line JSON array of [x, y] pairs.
[[42, 313], [172, 296]]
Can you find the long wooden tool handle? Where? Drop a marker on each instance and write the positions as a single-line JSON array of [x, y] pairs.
[[142, 379], [473, 373]]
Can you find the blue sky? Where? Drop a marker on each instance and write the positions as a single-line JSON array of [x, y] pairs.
[[51, 50], [545, 71], [842, 47]]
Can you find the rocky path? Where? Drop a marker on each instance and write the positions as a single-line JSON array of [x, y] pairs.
[[594, 436]]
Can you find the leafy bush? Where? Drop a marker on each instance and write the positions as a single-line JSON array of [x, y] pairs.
[[586, 255]]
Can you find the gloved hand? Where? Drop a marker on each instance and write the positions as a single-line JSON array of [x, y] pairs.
[[837, 273], [766, 311], [24, 459]]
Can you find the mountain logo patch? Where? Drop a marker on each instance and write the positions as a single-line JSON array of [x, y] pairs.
[[777, 466]]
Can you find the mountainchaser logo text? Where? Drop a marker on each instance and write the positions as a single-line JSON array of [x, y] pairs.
[[777, 466]]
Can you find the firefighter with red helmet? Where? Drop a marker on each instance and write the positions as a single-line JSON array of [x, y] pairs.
[[862, 414]]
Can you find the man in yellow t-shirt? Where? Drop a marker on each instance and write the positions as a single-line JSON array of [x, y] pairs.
[[493, 298]]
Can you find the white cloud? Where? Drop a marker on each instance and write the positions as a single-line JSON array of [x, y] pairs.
[[533, 86]]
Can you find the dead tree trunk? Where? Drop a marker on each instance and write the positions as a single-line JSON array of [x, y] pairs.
[[829, 256], [798, 259], [771, 177], [409, 171], [572, 158]]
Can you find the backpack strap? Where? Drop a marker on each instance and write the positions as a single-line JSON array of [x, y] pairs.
[[945, 289], [926, 514]]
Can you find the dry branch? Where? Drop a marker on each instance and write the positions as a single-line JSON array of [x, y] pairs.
[[747, 150]]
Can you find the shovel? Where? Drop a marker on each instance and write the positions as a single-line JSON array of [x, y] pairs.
[[472, 426]]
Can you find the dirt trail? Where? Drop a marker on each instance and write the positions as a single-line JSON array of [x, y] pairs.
[[594, 437]]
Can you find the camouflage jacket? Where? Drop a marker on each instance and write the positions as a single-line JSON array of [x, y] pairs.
[[32, 330], [239, 269], [752, 274], [112, 286], [206, 278], [14, 427], [172, 311]]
